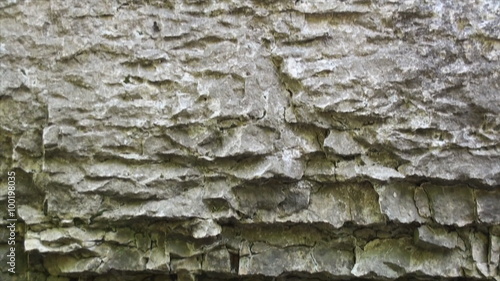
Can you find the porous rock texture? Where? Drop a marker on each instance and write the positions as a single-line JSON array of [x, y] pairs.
[[252, 140]]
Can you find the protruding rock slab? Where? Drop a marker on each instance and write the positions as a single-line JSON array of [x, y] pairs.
[[393, 258], [436, 237], [270, 261]]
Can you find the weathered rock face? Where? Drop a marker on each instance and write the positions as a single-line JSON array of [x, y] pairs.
[[251, 140]]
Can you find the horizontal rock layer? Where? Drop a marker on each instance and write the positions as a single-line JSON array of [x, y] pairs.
[[251, 140]]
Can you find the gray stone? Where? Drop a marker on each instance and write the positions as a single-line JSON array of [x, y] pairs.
[[121, 259], [349, 170], [384, 258], [123, 236], [31, 244], [332, 260], [78, 234], [479, 247], [393, 258], [217, 261], [205, 228], [342, 143], [488, 206], [31, 215], [187, 265], [450, 165], [31, 142], [422, 202], [364, 206], [398, 204], [198, 139], [435, 238], [159, 259], [344, 202], [159, 256], [271, 261], [283, 198], [181, 247], [494, 247], [451, 205], [58, 264]]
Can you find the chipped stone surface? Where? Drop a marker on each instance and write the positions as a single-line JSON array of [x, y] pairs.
[[422, 202], [332, 261], [251, 140], [398, 204], [342, 143], [432, 237]]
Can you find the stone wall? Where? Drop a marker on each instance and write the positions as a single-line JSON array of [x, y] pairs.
[[251, 140]]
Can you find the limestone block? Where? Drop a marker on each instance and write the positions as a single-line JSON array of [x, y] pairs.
[[488, 206], [434, 238], [451, 205]]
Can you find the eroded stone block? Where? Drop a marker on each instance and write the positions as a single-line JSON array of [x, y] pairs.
[[272, 261], [217, 261], [345, 202], [342, 143], [384, 258], [451, 205], [488, 206], [397, 202], [436, 237], [422, 202], [393, 258]]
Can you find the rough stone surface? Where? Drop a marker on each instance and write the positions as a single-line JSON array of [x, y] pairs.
[[488, 209], [391, 258], [251, 140], [427, 237], [451, 205]]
